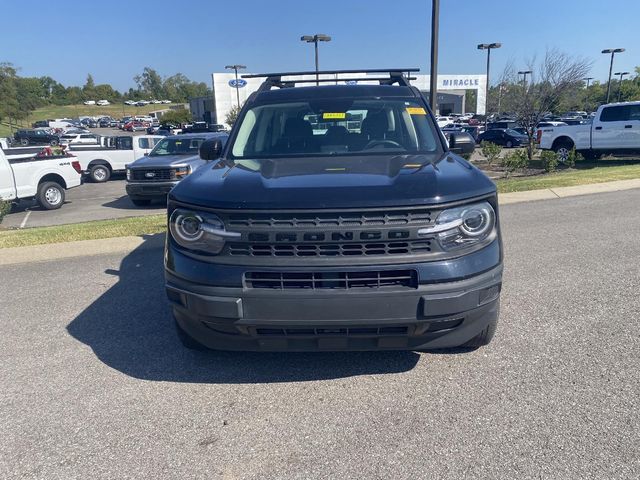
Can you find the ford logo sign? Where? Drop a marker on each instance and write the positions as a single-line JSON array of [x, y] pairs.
[[239, 83], [150, 174]]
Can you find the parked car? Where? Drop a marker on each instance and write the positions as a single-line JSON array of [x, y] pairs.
[[167, 101], [103, 161], [129, 102], [44, 178], [135, 126], [550, 123], [80, 138], [40, 124], [36, 137], [502, 124], [102, 103], [614, 129], [173, 158], [89, 102], [321, 239], [504, 136]]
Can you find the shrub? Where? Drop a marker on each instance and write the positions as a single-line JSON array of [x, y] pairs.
[[573, 157], [491, 151], [549, 160], [176, 117], [5, 207], [515, 160]]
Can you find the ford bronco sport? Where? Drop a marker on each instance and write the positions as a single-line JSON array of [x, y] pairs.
[[337, 217]]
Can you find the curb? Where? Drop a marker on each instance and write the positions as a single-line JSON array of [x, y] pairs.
[[58, 251], [563, 192], [80, 248]]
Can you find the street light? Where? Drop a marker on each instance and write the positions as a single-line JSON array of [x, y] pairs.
[[433, 71], [525, 73], [586, 96], [612, 51], [622, 74], [318, 37], [487, 47], [235, 68]]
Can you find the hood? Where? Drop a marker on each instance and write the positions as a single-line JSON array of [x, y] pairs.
[[335, 183], [166, 161]]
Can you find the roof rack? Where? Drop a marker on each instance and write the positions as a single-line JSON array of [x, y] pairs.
[[396, 75]]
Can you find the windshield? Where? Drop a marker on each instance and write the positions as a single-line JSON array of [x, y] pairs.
[[510, 131], [335, 127], [177, 146]]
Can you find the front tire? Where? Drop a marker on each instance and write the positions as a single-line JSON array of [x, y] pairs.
[[99, 173], [509, 144], [24, 142], [485, 336], [50, 195], [53, 143]]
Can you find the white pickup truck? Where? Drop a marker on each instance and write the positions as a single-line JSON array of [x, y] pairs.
[[43, 178], [113, 156], [614, 129]]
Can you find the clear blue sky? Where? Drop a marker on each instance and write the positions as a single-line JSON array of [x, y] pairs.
[[114, 39]]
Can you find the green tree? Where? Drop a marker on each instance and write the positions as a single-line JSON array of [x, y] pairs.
[[232, 115], [89, 89], [150, 83], [176, 117], [106, 92], [9, 107]]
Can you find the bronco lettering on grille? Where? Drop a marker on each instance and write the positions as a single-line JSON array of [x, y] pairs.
[[293, 237]]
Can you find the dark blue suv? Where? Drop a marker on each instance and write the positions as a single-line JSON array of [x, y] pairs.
[[336, 217]]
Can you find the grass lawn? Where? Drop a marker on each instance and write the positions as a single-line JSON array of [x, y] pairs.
[[600, 172], [73, 111], [123, 227]]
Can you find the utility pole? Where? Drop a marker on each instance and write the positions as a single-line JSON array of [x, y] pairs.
[[586, 96], [318, 37], [622, 74], [235, 68], [435, 23], [487, 47], [612, 51]]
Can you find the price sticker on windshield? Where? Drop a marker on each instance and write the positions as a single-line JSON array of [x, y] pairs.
[[334, 116], [416, 111]]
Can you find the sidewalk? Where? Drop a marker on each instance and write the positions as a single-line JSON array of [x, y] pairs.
[[40, 253]]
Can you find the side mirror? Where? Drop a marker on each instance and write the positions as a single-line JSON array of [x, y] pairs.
[[462, 143], [211, 149], [146, 154]]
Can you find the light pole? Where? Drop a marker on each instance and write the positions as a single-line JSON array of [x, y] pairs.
[[487, 47], [235, 68], [622, 74], [586, 96], [612, 51], [318, 37], [433, 73], [524, 80]]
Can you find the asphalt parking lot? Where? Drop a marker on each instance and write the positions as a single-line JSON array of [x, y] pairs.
[[90, 201], [94, 383]]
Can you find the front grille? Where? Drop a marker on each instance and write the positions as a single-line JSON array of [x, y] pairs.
[[332, 280], [327, 249], [414, 217], [153, 174]]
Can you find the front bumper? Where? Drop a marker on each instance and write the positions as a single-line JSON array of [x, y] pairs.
[[150, 189], [440, 314]]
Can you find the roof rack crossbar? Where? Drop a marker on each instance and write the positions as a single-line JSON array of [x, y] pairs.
[[331, 72]]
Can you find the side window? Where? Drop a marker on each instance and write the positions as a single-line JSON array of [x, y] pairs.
[[615, 114], [144, 143], [634, 112]]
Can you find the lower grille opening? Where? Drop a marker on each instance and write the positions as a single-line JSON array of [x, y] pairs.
[[331, 280], [333, 331], [445, 325]]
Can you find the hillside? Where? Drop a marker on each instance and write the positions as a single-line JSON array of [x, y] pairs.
[[73, 111]]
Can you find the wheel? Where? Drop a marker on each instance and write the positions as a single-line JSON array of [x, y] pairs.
[[99, 173], [485, 336], [186, 340], [50, 195], [53, 143], [140, 202], [509, 144], [24, 141], [563, 149]]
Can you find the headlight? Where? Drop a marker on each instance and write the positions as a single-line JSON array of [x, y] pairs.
[[128, 174], [462, 226], [182, 172], [199, 231]]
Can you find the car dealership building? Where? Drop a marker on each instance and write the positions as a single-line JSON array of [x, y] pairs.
[[451, 93]]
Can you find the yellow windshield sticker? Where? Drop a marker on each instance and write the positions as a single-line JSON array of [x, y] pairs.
[[416, 111], [334, 116]]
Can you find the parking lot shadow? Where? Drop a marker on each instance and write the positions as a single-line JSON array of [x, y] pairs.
[[124, 203], [130, 329]]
